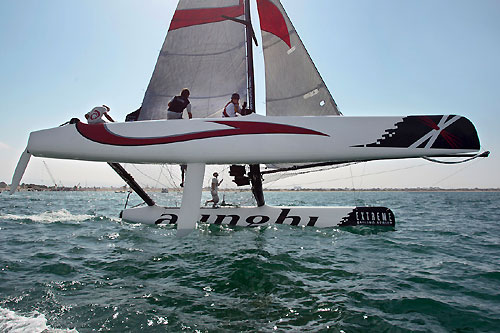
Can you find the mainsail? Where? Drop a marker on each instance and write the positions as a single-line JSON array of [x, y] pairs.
[[205, 52], [294, 86]]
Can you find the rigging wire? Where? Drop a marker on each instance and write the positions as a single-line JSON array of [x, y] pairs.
[[368, 174], [352, 179], [456, 172], [272, 182], [288, 174], [355, 194], [483, 154], [159, 176], [171, 179], [362, 174], [147, 176], [291, 174]]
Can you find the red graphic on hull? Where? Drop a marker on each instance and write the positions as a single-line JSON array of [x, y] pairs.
[[99, 133], [451, 139], [188, 17]]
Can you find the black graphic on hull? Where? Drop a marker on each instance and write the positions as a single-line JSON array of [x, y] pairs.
[[372, 216], [439, 132]]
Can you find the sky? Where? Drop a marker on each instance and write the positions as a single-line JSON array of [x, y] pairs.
[[389, 57]]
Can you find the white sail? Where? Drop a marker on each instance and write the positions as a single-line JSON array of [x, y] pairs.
[[294, 86], [204, 52]]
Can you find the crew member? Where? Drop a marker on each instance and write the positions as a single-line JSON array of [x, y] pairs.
[[214, 190], [177, 105], [175, 109], [95, 115], [233, 107]]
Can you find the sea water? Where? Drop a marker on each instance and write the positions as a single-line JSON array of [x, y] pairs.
[[69, 264]]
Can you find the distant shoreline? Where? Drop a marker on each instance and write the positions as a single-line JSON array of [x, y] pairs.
[[43, 188]]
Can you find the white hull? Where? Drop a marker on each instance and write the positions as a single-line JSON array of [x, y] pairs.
[[320, 217], [258, 139], [252, 140]]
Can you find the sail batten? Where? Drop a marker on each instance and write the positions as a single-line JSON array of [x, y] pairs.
[[237, 47], [294, 86], [305, 94]]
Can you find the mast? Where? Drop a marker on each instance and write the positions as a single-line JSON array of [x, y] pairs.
[[250, 69], [255, 175]]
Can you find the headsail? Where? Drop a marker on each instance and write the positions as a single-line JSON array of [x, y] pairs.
[[204, 52], [294, 86]]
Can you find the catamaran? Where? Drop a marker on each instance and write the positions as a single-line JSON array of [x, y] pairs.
[[209, 49]]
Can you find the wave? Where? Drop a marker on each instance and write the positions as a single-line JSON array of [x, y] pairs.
[[61, 215], [12, 322]]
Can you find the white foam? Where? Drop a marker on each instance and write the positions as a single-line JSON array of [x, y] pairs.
[[34, 322], [61, 215]]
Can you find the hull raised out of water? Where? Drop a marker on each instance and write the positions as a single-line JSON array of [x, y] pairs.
[[259, 139], [320, 217]]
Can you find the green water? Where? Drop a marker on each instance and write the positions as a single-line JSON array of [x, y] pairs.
[[68, 263]]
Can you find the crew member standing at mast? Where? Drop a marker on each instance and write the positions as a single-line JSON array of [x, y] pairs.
[[177, 105], [233, 107]]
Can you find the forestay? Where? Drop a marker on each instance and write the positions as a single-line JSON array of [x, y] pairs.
[[294, 86], [204, 52]]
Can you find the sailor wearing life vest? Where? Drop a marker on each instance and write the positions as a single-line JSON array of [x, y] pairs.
[[95, 115], [233, 107], [177, 105]]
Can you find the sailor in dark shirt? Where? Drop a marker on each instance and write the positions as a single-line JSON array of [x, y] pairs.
[[175, 109], [177, 105]]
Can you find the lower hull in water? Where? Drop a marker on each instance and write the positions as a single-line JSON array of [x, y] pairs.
[[320, 217]]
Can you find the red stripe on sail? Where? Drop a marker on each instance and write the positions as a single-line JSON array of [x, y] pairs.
[[100, 133], [272, 20], [189, 17]]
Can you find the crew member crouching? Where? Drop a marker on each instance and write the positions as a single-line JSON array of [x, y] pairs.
[[177, 105]]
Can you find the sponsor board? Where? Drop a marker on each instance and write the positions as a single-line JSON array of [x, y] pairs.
[[372, 216]]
